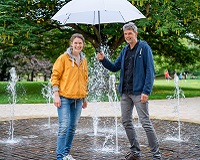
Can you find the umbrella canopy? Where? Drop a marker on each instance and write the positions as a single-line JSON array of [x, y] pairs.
[[97, 12]]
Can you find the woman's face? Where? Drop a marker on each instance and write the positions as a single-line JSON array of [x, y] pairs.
[[77, 45]]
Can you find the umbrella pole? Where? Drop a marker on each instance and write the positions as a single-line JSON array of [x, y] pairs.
[[99, 49]]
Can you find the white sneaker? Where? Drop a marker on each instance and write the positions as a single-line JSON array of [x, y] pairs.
[[68, 157]]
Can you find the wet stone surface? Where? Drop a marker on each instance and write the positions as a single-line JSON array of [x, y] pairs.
[[33, 139]]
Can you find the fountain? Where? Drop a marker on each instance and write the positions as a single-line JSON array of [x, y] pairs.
[[177, 96], [113, 100], [90, 147], [11, 88], [47, 93], [97, 86]]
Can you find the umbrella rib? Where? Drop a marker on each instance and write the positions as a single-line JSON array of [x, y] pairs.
[[122, 16], [65, 21]]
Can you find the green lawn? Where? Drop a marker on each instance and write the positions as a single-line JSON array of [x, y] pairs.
[[27, 92], [163, 88], [31, 92]]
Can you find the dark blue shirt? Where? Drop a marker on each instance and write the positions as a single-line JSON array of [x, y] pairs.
[[128, 70]]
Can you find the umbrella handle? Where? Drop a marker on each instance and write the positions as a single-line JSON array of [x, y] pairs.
[[99, 49]]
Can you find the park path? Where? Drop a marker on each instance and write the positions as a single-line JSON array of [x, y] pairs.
[[159, 109]]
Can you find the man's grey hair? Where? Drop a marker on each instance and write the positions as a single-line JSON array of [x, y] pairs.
[[129, 26]]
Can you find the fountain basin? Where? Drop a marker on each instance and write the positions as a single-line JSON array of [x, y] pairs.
[[37, 141]]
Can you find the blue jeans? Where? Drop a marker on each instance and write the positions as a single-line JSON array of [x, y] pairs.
[[127, 104], [68, 116]]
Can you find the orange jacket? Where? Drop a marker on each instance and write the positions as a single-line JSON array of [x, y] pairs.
[[68, 78]]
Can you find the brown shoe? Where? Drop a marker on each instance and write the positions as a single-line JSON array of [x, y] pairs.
[[130, 156]]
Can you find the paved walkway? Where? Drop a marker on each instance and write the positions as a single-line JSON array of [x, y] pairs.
[[33, 135], [159, 109]]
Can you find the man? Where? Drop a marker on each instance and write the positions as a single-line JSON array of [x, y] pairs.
[[136, 82]]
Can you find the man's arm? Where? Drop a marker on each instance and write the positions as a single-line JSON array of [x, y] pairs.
[[114, 67]]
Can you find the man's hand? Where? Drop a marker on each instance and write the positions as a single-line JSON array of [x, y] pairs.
[[57, 101], [100, 56], [144, 98]]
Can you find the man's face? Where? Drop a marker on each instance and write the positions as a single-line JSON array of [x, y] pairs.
[[130, 36]]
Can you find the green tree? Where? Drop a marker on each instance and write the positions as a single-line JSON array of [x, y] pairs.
[[166, 24], [24, 33], [26, 27]]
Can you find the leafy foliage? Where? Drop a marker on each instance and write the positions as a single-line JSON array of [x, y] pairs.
[[167, 23], [26, 29], [26, 33]]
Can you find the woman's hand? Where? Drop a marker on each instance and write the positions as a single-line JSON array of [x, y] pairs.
[[57, 101], [84, 104]]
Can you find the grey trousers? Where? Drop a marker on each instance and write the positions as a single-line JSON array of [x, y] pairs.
[[127, 104]]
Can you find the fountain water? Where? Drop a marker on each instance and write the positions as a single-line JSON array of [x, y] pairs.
[[95, 120], [97, 86], [178, 95], [98, 89], [11, 88], [113, 99], [47, 93]]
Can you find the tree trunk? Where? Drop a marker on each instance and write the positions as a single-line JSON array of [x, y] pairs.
[[32, 75]]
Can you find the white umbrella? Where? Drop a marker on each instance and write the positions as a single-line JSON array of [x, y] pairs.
[[97, 12]]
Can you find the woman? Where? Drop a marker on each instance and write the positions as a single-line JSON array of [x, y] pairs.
[[69, 80]]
